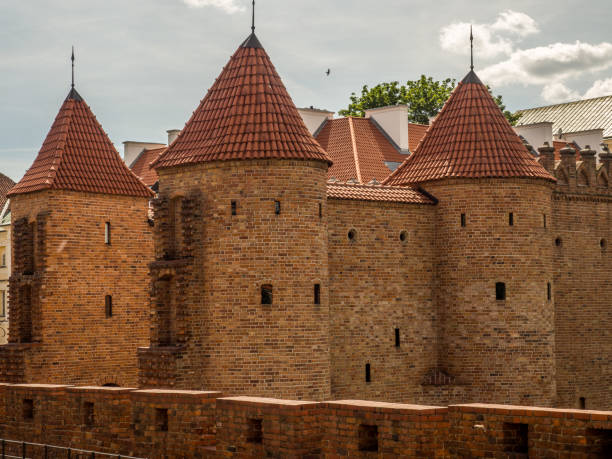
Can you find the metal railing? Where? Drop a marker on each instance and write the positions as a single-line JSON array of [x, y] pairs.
[[14, 449]]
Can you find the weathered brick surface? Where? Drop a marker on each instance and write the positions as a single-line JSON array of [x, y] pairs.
[[62, 271], [379, 283], [491, 431], [207, 282], [287, 428], [499, 350], [401, 430]]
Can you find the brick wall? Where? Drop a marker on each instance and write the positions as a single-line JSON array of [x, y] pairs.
[[184, 424], [500, 351], [520, 432], [61, 262], [144, 423], [380, 283], [207, 283]]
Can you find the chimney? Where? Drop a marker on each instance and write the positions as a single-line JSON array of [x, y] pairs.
[[131, 150], [314, 118], [172, 135], [393, 120]]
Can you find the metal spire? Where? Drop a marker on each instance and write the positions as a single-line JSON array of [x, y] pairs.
[[253, 23], [471, 49], [72, 59]]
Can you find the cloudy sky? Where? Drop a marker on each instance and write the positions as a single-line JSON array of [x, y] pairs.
[[143, 65]]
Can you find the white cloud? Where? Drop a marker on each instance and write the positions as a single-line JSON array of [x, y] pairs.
[[558, 92], [549, 64], [229, 6], [490, 40], [600, 88]]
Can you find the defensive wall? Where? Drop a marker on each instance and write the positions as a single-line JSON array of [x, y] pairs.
[[174, 423]]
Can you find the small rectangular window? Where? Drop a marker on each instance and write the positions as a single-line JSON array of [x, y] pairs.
[[500, 291], [549, 291], [266, 294], [28, 408], [254, 431], [397, 337], [277, 207], [368, 375], [108, 306], [544, 220], [511, 219], [463, 220], [234, 208], [368, 438], [317, 293], [107, 233], [320, 210], [88, 413], [582, 403], [161, 419], [2, 303]]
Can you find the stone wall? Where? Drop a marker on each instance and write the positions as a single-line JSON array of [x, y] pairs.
[[61, 331], [189, 424]]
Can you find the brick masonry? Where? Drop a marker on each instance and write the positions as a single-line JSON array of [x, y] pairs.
[[179, 424], [62, 272]]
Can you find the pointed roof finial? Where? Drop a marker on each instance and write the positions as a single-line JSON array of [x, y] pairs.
[[253, 23], [471, 49], [72, 59]]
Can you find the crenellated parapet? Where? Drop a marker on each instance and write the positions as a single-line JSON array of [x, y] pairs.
[[582, 172]]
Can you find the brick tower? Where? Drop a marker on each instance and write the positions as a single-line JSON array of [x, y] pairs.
[[240, 300], [494, 251], [81, 243]]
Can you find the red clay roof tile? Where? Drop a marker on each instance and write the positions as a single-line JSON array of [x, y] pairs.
[[338, 190], [77, 155], [416, 133], [469, 138], [6, 183], [247, 114], [142, 165], [358, 149]]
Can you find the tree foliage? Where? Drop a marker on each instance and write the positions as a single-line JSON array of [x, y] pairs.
[[424, 97]]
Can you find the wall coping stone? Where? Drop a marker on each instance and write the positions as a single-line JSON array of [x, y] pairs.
[[385, 407]]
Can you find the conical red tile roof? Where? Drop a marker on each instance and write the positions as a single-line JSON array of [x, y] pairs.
[[77, 155], [469, 138], [247, 114]]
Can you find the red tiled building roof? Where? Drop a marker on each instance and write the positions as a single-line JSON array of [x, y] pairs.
[[77, 155], [469, 138], [142, 165], [358, 149], [416, 133], [6, 183], [247, 114], [338, 190]]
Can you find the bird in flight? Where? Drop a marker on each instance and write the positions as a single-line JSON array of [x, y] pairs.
[[328, 72]]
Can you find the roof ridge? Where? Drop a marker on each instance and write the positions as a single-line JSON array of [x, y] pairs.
[[354, 146]]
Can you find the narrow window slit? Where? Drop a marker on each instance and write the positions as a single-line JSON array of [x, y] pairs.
[[368, 375], [107, 233], [317, 293], [161, 419], [397, 337], [500, 291], [277, 207], [463, 220], [234, 207], [266, 294], [511, 219], [108, 306]]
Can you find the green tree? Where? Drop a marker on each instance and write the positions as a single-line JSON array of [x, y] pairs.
[[424, 97]]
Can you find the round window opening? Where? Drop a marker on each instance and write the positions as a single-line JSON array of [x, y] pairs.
[[403, 236], [558, 242], [603, 243], [352, 234]]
